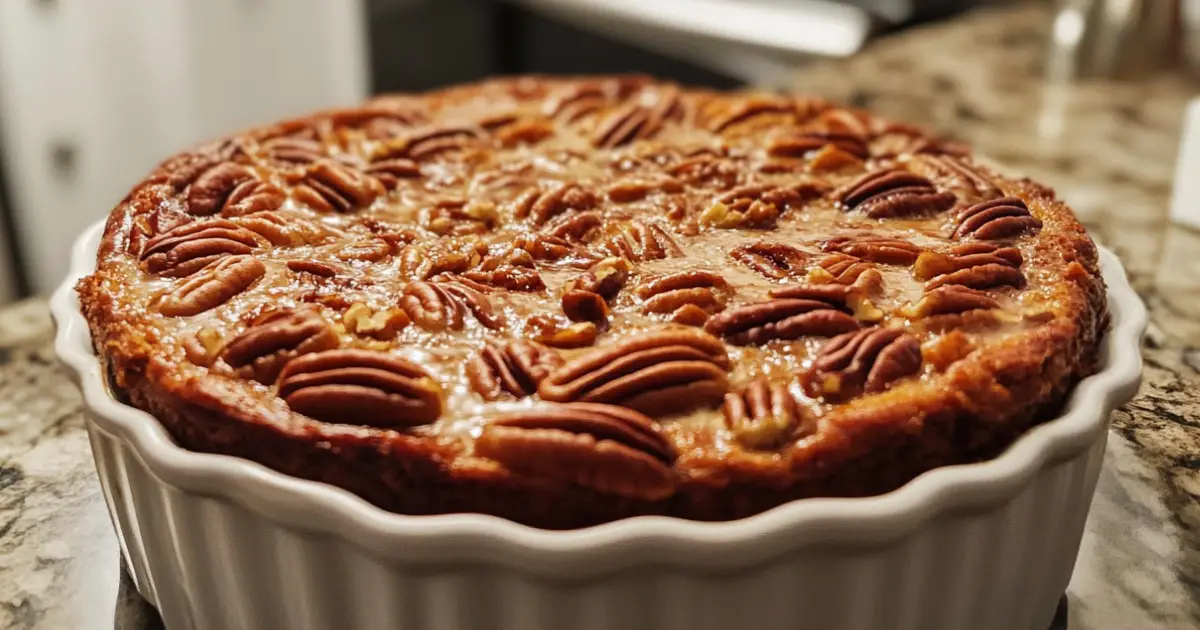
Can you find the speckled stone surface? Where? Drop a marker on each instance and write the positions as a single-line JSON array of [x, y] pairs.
[[1108, 149]]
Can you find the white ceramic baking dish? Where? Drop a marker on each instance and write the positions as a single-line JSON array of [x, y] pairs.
[[219, 543]]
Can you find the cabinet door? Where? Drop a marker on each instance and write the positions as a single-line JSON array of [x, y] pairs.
[[93, 93]]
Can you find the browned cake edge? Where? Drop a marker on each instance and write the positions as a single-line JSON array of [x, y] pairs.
[[976, 410]]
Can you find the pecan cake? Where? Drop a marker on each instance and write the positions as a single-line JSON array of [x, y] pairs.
[[566, 301]]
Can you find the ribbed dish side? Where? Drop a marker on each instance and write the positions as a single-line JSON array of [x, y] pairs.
[[209, 564]]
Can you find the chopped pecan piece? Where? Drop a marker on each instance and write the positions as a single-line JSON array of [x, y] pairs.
[[542, 204], [334, 187], [848, 270], [190, 247], [314, 267], [996, 219], [765, 416], [421, 261], [602, 447], [230, 188], [974, 265], [543, 246], [894, 193], [958, 172], [628, 190], [371, 249], [639, 119], [606, 278], [657, 373], [714, 170], [672, 293], [513, 368], [202, 348], [382, 324], [780, 318], [360, 387], [511, 268], [865, 361], [438, 306], [557, 333], [637, 241], [275, 338], [876, 249], [212, 286], [801, 144], [951, 298], [585, 306], [755, 205], [773, 260]]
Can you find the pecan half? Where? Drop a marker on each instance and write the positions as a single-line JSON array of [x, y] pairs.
[[543, 246], [513, 368], [656, 373], [360, 387], [713, 170], [801, 144], [957, 172], [672, 293], [876, 249], [511, 268], [573, 227], [866, 361], [542, 204], [894, 193], [744, 110], [212, 286], [637, 242], [852, 299], [275, 338], [188, 248], [293, 150], [285, 230], [577, 101], [231, 188], [951, 298], [974, 265], [314, 267], [780, 318], [390, 171], [335, 187], [996, 219], [773, 260], [848, 270], [639, 119], [602, 447], [765, 416], [438, 306], [428, 142]]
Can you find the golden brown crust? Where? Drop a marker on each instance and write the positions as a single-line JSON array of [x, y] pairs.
[[534, 246]]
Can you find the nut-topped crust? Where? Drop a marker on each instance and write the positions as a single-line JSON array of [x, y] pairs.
[[566, 301]]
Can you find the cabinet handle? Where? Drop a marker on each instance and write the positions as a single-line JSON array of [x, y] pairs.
[[64, 158]]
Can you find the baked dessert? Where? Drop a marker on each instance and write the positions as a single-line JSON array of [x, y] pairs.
[[566, 301]]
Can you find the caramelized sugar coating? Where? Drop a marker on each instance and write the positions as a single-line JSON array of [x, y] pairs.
[[566, 301]]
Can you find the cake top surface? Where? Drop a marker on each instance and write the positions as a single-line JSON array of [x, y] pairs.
[[659, 281]]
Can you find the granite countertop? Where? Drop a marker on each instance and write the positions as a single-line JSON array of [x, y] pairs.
[[1107, 148]]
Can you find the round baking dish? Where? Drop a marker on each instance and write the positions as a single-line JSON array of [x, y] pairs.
[[217, 542]]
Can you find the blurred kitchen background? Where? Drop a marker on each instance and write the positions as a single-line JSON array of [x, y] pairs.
[[93, 93]]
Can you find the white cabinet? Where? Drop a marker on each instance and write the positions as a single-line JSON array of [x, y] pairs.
[[93, 93]]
